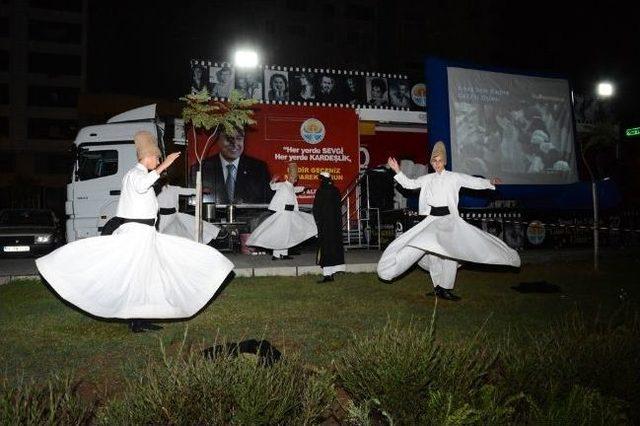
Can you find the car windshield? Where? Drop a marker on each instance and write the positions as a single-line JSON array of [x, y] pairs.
[[26, 218]]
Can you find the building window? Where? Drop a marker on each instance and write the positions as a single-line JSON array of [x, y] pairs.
[[4, 26], [47, 128], [296, 30], [297, 5], [4, 127], [62, 5], [327, 37], [359, 12], [270, 27], [4, 94], [55, 32], [353, 37], [55, 64], [7, 160], [46, 96], [53, 163], [328, 10], [4, 60]]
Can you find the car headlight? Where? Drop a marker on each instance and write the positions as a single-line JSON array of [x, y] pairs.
[[43, 239]]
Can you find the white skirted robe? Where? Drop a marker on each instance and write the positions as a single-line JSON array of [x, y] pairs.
[[136, 272], [286, 227], [173, 222], [439, 243]]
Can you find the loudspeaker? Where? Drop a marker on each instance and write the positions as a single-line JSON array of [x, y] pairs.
[[381, 185]]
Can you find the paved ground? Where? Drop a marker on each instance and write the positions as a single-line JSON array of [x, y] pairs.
[[357, 261]]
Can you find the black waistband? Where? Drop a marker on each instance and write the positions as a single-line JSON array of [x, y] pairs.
[[289, 207], [167, 210], [439, 211], [149, 222], [116, 221]]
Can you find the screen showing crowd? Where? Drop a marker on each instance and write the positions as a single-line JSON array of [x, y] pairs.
[[516, 127]]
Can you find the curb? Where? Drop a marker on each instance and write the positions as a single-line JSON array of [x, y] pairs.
[[276, 271], [6, 279], [297, 271]]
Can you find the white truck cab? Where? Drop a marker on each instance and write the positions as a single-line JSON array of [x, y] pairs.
[[104, 153]]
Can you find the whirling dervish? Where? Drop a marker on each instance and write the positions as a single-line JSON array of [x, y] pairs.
[[288, 226], [137, 273], [443, 239], [173, 222]]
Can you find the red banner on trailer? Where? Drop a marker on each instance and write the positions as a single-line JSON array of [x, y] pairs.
[[316, 138], [403, 145]]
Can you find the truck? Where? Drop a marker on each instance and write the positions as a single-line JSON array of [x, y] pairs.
[[103, 154]]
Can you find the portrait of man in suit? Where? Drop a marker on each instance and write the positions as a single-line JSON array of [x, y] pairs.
[[232, 177]]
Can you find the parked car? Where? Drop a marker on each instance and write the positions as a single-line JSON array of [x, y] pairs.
[[28, 231]]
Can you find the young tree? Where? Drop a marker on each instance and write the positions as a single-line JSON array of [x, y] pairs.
[[602, 135], [210, 117]]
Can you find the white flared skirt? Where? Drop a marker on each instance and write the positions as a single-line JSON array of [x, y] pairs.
[[136, 273], [445, 236], [283, 230], [184, 225]]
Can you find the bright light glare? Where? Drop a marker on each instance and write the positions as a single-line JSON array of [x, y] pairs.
[[605, 89], [246, 59], [43, 238]]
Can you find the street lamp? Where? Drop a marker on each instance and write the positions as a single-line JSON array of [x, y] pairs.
[[245, 59], [604, 89]]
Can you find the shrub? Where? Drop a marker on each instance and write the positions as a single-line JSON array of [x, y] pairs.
[[587, 370], [401, 375], [603, 356], [394, 366], [55, 403], [581, 406], [190, 389]]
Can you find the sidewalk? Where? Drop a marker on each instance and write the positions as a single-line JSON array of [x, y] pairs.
[[356, 260]]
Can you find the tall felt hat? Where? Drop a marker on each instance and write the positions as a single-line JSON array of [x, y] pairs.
[[292, 170], [441, 150], [146, 145]]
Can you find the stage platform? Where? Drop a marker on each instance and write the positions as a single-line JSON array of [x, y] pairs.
[[302, 264]]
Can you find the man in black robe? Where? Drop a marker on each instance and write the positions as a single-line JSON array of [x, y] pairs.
[[328, 217]]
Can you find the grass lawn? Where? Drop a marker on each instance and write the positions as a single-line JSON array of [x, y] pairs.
[[39, 334]]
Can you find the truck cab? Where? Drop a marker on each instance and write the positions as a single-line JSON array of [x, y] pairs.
[[104, 154]]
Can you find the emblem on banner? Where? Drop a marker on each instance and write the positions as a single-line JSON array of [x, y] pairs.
[[399, 229], [419, 94], [365, 158], [536, 232], [312, 131]]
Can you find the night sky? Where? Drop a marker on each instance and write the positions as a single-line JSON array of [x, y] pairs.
[[144, 47]]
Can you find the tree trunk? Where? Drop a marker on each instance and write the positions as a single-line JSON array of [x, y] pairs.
[[594, 196], [198, 227]]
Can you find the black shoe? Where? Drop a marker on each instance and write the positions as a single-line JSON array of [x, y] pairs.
[[136, 326], [147, 325], [445, 293], [326, 279]]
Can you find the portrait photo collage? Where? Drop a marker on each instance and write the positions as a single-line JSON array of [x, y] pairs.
[[310, 86]]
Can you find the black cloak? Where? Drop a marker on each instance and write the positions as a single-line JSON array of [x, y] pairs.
[[328, 217]]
